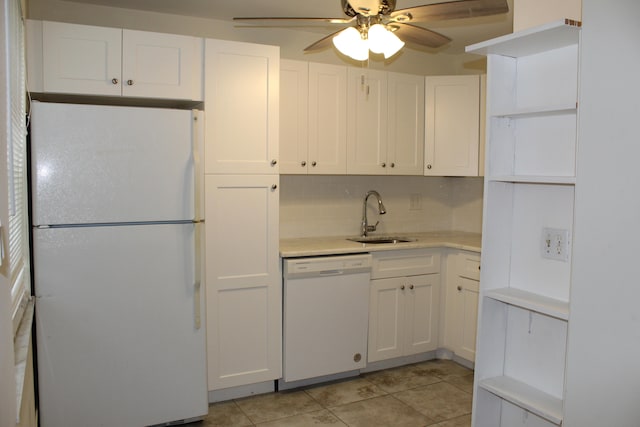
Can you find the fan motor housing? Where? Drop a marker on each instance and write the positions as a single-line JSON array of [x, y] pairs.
[[384, 7]]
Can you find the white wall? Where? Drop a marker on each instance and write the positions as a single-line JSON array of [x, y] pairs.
[[332, 205], [603, 369], [531, 13]]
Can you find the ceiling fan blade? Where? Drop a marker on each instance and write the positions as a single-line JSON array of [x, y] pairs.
[[322, 43], [418, 35], [292, 21], [450, 10]]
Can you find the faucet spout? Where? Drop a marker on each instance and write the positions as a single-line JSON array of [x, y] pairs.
[[365, 227]]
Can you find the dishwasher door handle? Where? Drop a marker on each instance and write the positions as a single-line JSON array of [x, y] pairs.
[[331, 273]]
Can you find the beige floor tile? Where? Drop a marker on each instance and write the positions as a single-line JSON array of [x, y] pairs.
[[444, 369], [402, 378], [463, 421], [440, 401], [344, 392], [382, 411], [317, 418], [464, 383], [279, 405], [225, 414]]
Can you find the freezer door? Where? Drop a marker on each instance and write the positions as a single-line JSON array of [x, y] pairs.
[[117, 331], [103, 164]]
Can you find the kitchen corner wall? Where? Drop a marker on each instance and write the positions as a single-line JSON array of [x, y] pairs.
[[312, 205]]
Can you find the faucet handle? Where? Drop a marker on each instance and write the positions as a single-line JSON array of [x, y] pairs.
[[371, 228]]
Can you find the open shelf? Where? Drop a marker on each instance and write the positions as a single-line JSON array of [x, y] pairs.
[[535, 179], [531, 41], [526, 397], [541, 111], [531, 301]]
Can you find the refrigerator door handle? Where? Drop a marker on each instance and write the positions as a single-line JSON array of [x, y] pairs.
[[196, 301], [197, 288]]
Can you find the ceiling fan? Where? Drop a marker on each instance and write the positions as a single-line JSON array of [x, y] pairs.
[[376, 25]]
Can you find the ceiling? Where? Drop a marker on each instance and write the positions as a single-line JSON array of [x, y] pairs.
[[463, 32]]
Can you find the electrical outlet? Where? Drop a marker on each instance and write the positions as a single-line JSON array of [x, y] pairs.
[[415, 202], [555, 244]]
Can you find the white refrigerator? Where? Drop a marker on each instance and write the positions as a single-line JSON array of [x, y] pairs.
[[115, 215]]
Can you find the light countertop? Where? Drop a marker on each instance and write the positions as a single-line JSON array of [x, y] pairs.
[[336, 245]]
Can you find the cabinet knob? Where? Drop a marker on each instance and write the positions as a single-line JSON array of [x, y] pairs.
[[130, 82], [384, 165], [303, 163], [393, 165], [402, 288], [410, 286], [459, 288], [274, 186], [313, 164], [114, 81], [428, 166], [274, 162]]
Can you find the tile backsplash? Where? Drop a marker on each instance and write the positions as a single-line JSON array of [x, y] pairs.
[[313, 205]]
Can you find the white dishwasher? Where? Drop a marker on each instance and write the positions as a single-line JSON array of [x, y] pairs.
[[326, 315]]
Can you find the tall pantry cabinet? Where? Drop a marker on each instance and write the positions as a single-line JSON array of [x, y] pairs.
[[530, 177], [241, 214]]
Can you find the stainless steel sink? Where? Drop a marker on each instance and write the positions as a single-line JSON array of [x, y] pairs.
[[381, 239]]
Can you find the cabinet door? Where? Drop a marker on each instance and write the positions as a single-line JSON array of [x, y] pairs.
[[421, 313], [386, 318], [367, 122], [405, 152], [156, 65], [327, 119], [81, 59], [241, 100], [294, 107], [452, 125], [466, 315], [243, 281]]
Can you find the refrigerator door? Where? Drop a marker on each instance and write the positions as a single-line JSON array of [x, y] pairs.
[[105, 164], [117, 326]]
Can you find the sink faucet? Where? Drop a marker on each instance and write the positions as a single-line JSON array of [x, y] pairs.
[[366, 228]]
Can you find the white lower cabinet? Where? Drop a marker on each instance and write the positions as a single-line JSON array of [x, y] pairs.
[[461, 307], [404, 303], [243, 280]]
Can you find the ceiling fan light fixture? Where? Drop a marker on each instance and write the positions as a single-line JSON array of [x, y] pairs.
[[381, 40], [350, 42]]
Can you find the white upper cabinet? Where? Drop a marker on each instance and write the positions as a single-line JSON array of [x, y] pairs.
[[161, 65], [81, 59], [367, 121], [241, 100], [313, 124], [452, 125], [405, 141], [327, 119], [88, 60], [294, 121]]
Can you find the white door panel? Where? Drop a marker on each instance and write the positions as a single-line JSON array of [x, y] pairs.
[[116, 326], [100, 164]]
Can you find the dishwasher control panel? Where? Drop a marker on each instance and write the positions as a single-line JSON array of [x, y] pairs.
[[330, 265]]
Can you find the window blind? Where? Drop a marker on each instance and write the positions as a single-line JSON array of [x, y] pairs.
[[18, 232]]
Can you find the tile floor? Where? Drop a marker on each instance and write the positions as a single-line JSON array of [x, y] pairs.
[[435, 393]]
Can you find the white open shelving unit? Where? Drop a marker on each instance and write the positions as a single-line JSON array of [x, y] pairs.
[[530, 177]]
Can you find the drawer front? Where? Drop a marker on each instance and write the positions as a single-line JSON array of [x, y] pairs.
[[411, 262], [469, 265]]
